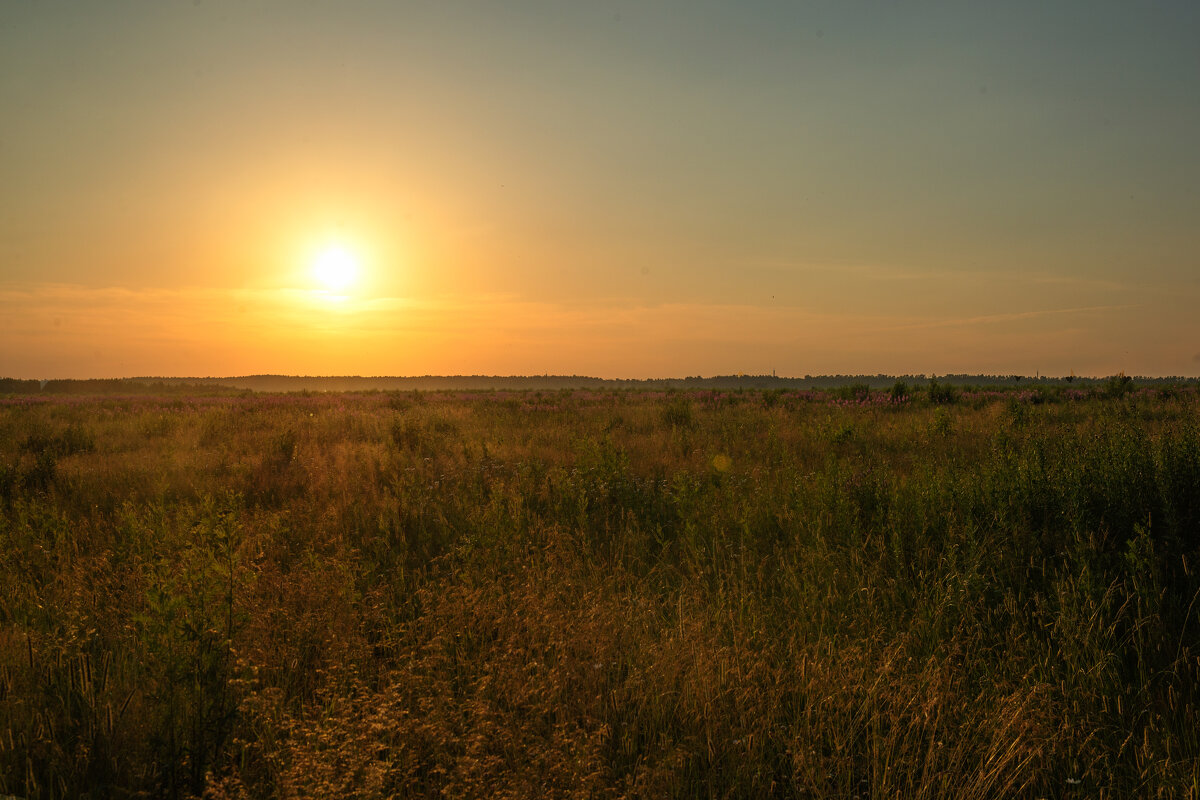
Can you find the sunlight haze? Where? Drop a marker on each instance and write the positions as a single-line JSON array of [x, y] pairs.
[[617, 189]]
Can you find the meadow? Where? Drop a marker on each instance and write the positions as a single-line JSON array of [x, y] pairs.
[[922, 592]]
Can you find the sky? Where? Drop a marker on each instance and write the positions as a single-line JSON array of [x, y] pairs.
[[610, 189]]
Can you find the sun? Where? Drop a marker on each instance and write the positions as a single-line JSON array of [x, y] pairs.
[[336, 268]]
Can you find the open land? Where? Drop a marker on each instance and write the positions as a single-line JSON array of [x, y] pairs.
[[920, 591]]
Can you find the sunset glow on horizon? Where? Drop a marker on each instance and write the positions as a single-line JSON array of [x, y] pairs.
[[620, 190]]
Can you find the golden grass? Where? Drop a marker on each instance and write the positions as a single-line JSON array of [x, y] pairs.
[[603, 595]]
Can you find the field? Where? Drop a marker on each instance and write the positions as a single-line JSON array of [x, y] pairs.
[[916, 593]]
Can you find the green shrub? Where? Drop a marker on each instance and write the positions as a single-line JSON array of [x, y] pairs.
[[1118, 386], [677, 413], [854, 392], [942, 394]]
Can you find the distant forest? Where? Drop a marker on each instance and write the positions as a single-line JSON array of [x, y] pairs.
[[433, 383]]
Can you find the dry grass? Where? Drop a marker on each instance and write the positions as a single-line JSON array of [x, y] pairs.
[[599, 595]]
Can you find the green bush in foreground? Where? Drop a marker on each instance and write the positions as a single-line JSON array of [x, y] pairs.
[[600, 595]]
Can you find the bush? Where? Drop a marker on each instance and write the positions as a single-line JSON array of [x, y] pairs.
[[1118, 386], [678, 414], [942, 394], [855, 392]]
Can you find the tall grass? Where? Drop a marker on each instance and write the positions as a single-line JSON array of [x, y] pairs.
[[604, 594]]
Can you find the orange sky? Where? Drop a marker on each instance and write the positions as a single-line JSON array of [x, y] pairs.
[[616, 190]]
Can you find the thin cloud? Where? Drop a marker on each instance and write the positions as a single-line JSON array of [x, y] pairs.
[[1073, 280], [874, 272], [883, 273], [988, 319], [59, 330]]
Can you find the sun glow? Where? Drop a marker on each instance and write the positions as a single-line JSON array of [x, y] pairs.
[[336, 268]]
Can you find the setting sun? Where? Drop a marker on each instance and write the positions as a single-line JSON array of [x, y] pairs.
[[336, 268]]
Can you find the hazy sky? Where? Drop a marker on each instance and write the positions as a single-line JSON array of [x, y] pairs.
[[615, 189]]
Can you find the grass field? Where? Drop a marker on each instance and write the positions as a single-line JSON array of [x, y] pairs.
[[912, 593]]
